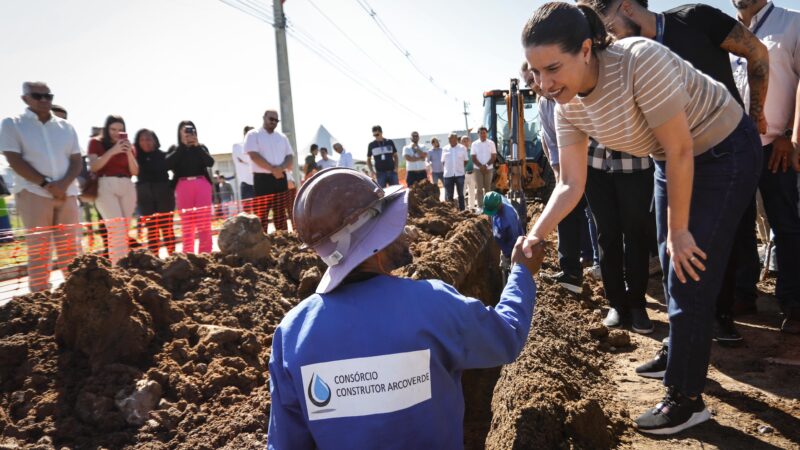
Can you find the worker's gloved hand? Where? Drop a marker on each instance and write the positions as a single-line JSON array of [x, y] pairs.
[[534, 263]]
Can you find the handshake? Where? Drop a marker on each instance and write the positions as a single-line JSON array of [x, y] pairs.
[[534, 249]]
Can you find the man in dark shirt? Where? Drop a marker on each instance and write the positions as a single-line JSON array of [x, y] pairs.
[[703, 36], [384, 153], [310, 164]]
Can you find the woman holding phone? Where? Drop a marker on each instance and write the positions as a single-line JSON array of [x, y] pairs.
[[189, 162], [113, 159], [638, 97], [155, 196]]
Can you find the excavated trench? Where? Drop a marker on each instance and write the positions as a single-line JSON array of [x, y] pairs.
[[173, 353]]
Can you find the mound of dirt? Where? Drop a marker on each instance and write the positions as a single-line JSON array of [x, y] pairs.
[[155, 354], [173, 353], [557, 394]]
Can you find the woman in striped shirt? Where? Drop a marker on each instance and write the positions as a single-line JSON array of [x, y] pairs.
[[637, 97]]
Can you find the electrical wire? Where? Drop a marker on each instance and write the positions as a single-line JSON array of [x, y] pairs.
[[396, 43], [251, 10], [328, 56], [351, 40]]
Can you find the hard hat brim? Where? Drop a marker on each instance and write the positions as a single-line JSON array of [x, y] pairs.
[[368, 240]]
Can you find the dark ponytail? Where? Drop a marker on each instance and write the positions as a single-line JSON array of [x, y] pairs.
[[565, 25], [599, 35]]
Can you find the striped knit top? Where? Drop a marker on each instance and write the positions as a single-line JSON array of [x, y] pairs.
[[642, 85]]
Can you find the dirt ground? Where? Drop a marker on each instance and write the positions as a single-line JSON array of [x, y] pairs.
[[572, 387], [173, 354], [752, 390]]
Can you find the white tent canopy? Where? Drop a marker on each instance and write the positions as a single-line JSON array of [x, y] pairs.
[[323, 138]]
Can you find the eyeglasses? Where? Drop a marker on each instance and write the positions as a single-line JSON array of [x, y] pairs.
[[39, 96]]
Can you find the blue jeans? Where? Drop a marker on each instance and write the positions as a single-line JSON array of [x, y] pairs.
[[780, 194], [724, 182], [436, 177], [458, 183], [386, 178]]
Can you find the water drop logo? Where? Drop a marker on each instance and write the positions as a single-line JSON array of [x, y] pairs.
[[318, 391]]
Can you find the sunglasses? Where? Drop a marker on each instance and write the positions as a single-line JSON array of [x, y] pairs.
[[40, 96]]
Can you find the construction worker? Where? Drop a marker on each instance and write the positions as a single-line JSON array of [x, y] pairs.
[[506, 225], [375, 361]]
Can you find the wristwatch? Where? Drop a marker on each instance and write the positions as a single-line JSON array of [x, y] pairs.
[[46, 181]]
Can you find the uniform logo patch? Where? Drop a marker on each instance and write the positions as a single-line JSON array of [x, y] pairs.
[[366, 386]]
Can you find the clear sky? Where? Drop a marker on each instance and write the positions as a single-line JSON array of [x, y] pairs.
[[157, 62]]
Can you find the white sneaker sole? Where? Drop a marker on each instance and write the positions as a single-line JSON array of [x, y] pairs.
[[572, 288], [643, 330], [654, 375], [697, 418]]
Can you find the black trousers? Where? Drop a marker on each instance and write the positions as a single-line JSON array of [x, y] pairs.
[[573, 232], [155, 197], [266, 186], [620, 204]]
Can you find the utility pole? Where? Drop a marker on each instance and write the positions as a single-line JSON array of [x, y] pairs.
[[466, 118], [285, 84]]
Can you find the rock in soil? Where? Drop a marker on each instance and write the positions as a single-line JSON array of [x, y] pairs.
[[242, 235]]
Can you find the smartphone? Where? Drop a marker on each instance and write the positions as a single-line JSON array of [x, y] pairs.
[[123, 136]]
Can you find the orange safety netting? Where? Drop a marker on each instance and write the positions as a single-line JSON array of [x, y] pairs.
[[31, 257]]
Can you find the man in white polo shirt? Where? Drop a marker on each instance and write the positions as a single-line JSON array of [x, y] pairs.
[[270, 154], [454, 160], [244, 171], [415, 156], [44, 153], [484, 153]]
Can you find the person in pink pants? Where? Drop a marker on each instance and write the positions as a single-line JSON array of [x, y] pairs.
[[189, 162]]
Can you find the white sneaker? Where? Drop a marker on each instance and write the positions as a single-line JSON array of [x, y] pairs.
[[593, 272]]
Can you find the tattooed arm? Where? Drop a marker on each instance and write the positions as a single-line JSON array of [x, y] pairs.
[[741, 42]]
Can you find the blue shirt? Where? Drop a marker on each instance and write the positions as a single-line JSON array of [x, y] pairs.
[[506, 227], [378, 363], [548, 119], [435, 158]]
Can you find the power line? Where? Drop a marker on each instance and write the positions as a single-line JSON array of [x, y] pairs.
[[251, 10], [309, 42], [396, 42], [352, 41]]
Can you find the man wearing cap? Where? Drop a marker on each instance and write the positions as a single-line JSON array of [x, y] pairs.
[[372, 360], [506, 225]]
